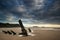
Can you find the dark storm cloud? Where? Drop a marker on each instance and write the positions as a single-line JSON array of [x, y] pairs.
[[50, 13], [31, 11], [53, 13]]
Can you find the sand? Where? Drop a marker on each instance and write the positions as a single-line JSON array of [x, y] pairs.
[[39, 34]]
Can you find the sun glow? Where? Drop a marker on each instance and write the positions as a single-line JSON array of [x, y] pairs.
[[42, 25]]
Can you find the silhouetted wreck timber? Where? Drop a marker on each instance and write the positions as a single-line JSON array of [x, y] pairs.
[[24, 31]]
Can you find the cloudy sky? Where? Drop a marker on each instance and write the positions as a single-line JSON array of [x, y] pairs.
[[30, 11]]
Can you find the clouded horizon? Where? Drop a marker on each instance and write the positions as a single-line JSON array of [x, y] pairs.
[[30, 11]]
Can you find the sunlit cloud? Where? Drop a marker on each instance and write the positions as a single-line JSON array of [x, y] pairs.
[[19, 8], [39, 4], [10, 17]]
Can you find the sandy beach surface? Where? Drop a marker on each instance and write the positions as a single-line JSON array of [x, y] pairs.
[[40, 34]]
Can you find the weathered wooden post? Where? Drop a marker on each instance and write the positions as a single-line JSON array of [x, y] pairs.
[[24, 31]]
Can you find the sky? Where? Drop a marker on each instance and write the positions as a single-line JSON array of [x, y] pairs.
[[31, 12]]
